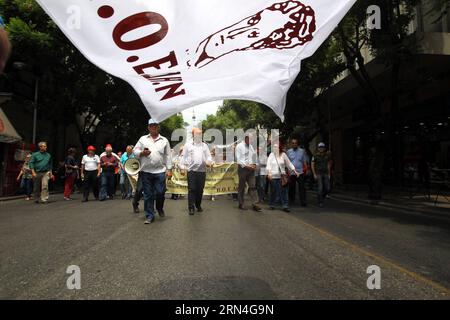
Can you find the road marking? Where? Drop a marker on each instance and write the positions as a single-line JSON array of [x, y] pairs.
[[444, 291]]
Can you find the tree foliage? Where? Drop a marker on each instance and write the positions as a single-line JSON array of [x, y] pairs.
[[72, 90]]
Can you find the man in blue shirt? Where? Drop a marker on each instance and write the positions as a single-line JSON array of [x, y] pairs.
[[5, 46], [125, 185], [299, 159]]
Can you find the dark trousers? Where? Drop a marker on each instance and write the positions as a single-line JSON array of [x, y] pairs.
[[246, 178], [196, 184], [107, 188], [323, 187], [138, 192], [154, 187], [90, 181], [279, 194], [293, 182], [27, 187]]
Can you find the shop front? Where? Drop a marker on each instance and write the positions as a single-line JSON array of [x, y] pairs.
[[10, 156]]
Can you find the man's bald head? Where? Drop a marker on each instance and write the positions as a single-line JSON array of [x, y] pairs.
[[197, 134]]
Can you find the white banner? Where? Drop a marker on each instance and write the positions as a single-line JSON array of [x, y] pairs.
[[181, 53]]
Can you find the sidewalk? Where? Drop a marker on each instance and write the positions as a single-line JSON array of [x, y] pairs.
[[10, 198], [397, 199]]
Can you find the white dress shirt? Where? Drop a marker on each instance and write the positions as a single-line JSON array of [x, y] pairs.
[[195, 156], [278, 165], [160, 158], [245, 154]]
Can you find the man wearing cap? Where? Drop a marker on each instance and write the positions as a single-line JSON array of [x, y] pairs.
[[108, 163], [196, 157], [153, 152], [5, 46], [321, 168], [90, 172]]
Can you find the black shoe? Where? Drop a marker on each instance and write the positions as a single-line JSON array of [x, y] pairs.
[[256, 208], [135, 208], [241, 207], [191, 211], [84, 200], [286, 210], [304, 205], [161, 213], [199, 209], [36, 201], [271, 208]]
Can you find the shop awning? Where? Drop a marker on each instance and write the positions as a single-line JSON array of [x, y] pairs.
[[7, 132]]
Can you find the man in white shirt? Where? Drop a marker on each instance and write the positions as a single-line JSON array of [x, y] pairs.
[[153, 152], [196, 157], [246, 160]]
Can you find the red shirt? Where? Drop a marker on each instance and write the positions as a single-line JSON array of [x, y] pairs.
[[109, 159]]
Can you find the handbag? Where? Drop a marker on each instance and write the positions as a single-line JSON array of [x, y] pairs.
[[284, 176]]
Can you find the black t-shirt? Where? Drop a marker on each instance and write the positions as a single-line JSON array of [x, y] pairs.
[[70, 161]]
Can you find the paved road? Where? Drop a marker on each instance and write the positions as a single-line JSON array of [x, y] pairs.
[[222, 253]]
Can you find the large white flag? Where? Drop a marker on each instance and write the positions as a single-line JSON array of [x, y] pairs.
[[181, 53]]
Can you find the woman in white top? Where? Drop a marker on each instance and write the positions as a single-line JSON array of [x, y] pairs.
[[277, 164]]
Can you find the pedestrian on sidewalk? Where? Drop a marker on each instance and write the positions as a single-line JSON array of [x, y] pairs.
[[299, 159], [279, 168], [90, 172], [196, 158], [26, 178], [108, 163], [41, 168], [246, 160], [321, 167], [153, 152], [71, 173]]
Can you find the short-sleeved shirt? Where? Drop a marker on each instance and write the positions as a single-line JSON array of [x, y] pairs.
[[90, 163], [109, 159], [298, 158], [321, 161], [26, 171], [70, 161]]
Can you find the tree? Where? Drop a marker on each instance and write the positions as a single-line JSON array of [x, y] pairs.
[[72, 90]]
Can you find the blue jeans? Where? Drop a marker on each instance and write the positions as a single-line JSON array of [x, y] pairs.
[[27, 185], [125, 185], [107, 185], [323, 187], [261, 187], [154, 187], [279, 194]]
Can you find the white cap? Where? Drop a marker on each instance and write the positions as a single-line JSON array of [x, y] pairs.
[[321, 145], [151, 121]]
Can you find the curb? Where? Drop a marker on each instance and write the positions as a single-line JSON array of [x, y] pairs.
[[383, 204], [11, 198]]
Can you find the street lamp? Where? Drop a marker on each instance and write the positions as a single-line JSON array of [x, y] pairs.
[[23, 66]]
